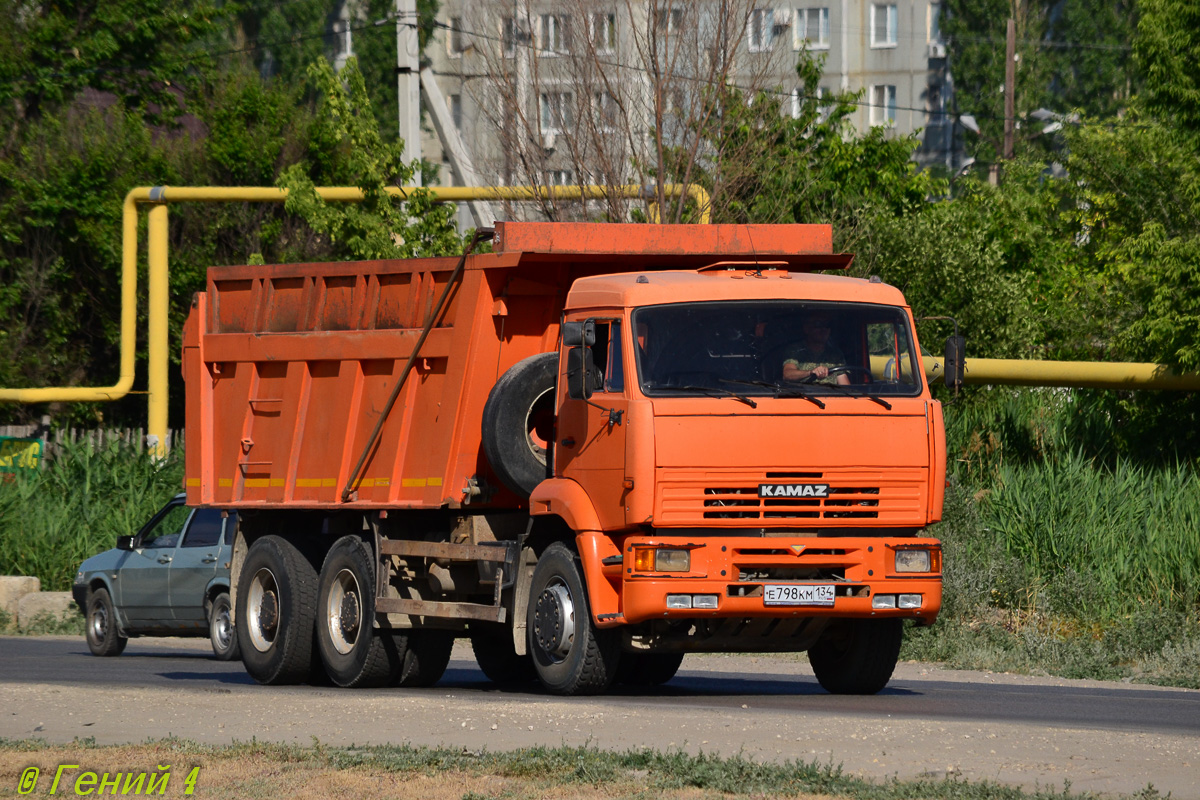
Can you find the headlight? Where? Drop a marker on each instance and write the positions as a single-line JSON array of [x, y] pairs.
[[913, 561], [79, 576], [658, 559]]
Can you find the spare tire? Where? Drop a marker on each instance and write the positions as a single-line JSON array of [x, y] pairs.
[[518, 423]]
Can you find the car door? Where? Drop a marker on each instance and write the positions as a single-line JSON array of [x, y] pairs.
[[145, 575], [194, 565]]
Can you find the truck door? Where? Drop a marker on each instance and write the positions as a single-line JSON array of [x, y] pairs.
[[591, 436]]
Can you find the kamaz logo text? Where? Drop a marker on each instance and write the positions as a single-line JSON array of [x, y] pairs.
[[793, 490]]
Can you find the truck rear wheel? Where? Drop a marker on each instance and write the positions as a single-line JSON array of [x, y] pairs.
[[857, 656], [518, 422], [426, 656], [353, 651], [648, 669], [276, 598], [496, 656], [571, 656]]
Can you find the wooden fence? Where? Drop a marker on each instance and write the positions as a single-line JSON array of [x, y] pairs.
[[91, 437]]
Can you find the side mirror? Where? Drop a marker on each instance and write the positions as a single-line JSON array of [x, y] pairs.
[[956, 348], [579, 334], [580, 370], [125, 542]]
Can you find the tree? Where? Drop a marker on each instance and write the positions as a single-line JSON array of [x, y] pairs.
[[346, 148]]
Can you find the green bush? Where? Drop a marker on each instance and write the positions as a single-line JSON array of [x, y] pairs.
[[81, 500]]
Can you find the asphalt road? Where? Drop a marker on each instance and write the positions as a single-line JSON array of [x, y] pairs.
[[155, 662]]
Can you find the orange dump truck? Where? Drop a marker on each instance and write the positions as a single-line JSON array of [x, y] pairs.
[[591, 451]]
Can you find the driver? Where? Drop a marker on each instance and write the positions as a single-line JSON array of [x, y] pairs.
[[811, 359]]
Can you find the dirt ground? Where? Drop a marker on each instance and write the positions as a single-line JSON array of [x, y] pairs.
[[873, 746]]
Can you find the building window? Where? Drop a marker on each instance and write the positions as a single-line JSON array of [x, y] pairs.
[[798, 98], [759, 29], [884, 25], [554, 34], [604, 106], [455, 45], [668, 21], [812, 26], [508, 36], [934, 23], [602, 28], [559, 177], [556, 110], [456, 111], [883, 105]]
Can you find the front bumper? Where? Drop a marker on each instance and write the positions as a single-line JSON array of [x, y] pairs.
[[738, 570], [79, 592]]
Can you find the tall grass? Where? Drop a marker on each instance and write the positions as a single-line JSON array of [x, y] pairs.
[[1133, 531], [76, 505]]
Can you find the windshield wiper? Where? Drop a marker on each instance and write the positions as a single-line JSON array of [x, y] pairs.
[[798, 390], [708, 390], [852, 393]]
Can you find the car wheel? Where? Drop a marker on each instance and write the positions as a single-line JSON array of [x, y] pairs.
[[103, 637], [220, 629], [571, 655], [518, 422], [277, 598], [353, 650]]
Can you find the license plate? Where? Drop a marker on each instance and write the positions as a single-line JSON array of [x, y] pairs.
[[798, 594]]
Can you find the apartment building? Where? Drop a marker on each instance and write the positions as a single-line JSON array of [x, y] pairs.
[[593, 91]]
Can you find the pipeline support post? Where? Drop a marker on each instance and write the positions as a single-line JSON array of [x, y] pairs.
[[159, 330]]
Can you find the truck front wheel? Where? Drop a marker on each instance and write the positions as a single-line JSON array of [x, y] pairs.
[[353, 651], [277, 594], [857, 656], [570, 655]]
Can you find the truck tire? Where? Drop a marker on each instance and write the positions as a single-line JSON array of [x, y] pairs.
[[276, 600], [426, 656], [648, 669], [570, 655], [354, 652], [496, 656], [221, 634], [103, 636], [518, 423], [857, 656]]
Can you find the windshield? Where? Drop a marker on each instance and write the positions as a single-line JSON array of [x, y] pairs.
[[775, 348]]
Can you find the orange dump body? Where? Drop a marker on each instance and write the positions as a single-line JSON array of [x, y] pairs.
[[289, 367]]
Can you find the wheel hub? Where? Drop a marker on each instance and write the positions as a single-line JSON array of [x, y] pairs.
[[554, 621], [262, 610], [348, 617], [343, 611]]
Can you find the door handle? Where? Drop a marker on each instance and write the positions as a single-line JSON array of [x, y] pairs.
[[164, 559], [209, 559]]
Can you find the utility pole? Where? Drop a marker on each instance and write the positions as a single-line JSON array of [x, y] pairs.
[[1010, 88], [408, 78]]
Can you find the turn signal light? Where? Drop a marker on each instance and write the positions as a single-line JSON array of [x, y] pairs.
[[659, 559]]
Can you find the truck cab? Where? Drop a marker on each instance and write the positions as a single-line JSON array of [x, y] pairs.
[[720, 505]]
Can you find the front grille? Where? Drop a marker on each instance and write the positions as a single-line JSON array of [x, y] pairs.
[[859, 502], [854, 496]]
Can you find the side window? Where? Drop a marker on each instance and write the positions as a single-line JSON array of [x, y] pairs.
[[615, 376], [607, 356], [166, 532], [205, 529]]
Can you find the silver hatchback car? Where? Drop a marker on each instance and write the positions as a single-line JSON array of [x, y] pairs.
[[170, 579]]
